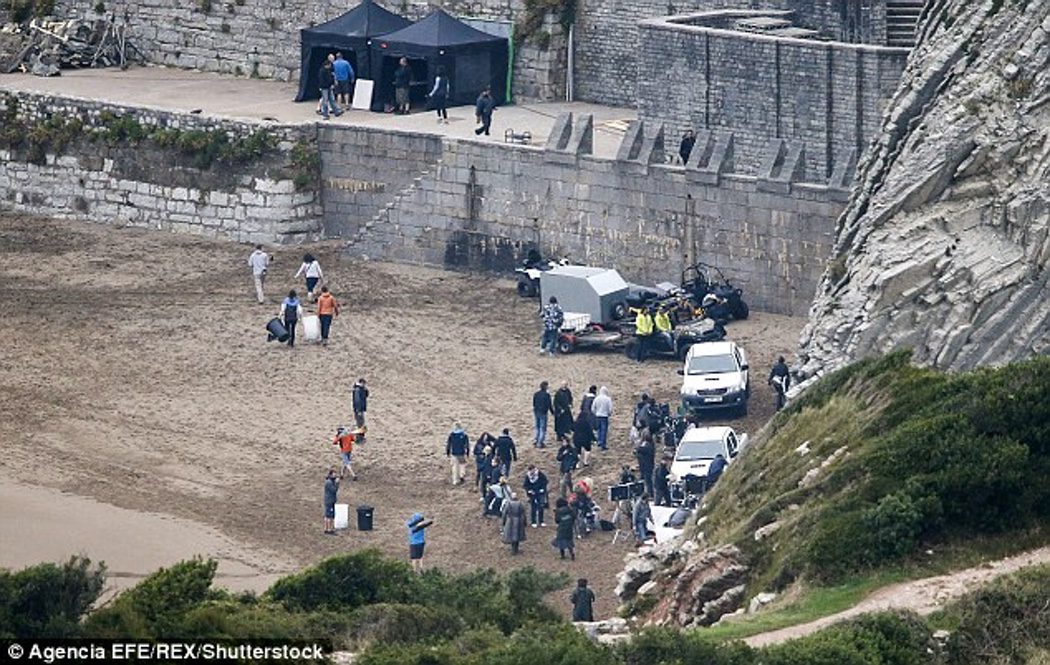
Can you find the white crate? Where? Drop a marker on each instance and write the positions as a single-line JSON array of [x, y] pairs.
[[575, 321]]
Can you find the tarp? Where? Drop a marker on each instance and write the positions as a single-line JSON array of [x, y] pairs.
[[350, 34], [472, 59]]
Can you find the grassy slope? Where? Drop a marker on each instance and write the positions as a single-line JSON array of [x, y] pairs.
[[927, 462]]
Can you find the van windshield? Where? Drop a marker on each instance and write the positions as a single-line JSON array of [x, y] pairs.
[[723, 364], [689, 451]]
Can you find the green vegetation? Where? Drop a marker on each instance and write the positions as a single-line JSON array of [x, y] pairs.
[[54, 134], [530, 27], [915, 459], [306, 165], [377, 607], [19, 11]]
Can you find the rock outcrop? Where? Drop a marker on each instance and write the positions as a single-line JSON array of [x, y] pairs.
[[943, 247], [680, 585]]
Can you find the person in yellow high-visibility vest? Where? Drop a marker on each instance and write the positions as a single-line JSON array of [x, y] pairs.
[[664, 327], [643, 331]]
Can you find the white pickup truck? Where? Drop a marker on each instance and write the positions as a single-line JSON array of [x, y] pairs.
[[715, 376]]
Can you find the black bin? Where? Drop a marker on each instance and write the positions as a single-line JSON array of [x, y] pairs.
[[364, 518], [276, 331]]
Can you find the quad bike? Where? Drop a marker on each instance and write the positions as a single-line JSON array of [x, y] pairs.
[[529, 273], [676, 346], [701, 280]]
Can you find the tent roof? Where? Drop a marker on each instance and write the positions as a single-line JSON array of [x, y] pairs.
[[365, 20], [438, 30]]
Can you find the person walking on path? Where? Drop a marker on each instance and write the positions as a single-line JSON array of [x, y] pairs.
[[582, 602], [565, 521], [457, 449], [513, 523], [506, 451], [417, 539], [344, 79], [602, 408], [259, 262], [640, 518], [542, 407], [535, 485], [291, 312], [331, 493], [483, 111], [439, 95], [345, 438], [402, 86], [563, 421], [311, 269], [583, 438], [567, 459], [553, 317], [327, 307], [359, 399], [326, 81]]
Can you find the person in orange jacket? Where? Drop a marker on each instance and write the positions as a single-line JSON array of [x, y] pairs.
[[327, 307], [345, 439]]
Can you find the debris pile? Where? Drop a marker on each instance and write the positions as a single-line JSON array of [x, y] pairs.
[[44, 46]]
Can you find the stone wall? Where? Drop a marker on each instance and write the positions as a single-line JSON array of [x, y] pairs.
[[141, 183], [482, 206], [827, 95], [609, 43], [261, 37]]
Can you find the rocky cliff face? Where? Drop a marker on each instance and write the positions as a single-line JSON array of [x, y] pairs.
[[943, 247]]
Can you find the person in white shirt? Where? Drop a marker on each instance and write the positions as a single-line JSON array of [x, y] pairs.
[[312, 270], [259, 261], [602, 408]]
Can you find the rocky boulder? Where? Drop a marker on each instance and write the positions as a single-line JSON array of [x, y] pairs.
[[943, 247]]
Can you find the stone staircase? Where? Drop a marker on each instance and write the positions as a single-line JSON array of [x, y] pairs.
[[902, 21], [383, 215]]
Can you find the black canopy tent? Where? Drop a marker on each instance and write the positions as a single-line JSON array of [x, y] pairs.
[[348, 33], [472, 59]]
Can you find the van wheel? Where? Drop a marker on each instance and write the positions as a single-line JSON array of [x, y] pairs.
[[525, 288], [683, 351], [619, 311], [741, 311]]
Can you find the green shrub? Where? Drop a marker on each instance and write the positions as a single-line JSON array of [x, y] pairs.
[[388, 623], [1005, 622], [660, 646], [346, 582], [155, 607], [47, 600], [879, 639]]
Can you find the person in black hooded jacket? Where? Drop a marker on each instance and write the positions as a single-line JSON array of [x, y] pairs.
[[582, 438]]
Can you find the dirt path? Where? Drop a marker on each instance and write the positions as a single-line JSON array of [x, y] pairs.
[[922, 596], [135, 371]]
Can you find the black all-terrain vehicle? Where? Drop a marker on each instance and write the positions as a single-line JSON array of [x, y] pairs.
[[701, 280], [529, 273], [681, 338]]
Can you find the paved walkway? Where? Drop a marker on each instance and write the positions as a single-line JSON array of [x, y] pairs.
[[254, 99]]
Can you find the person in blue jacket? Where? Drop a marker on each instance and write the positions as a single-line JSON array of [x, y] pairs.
[[417, 539]]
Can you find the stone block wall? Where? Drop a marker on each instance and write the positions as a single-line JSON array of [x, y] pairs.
[[610, 45], [827, 95], [365, 170], [144, 184], [481, 206], [261, 37]]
